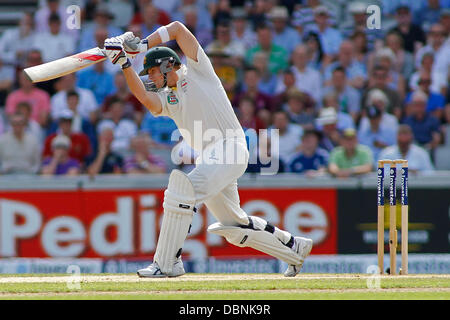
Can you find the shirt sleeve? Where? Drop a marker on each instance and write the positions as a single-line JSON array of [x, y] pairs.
[[164, 98], [202, 65]]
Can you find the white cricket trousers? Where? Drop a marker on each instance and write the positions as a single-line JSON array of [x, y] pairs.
[[215, 180]]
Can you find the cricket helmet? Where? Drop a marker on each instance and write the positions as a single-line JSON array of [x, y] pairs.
[[160, 56]]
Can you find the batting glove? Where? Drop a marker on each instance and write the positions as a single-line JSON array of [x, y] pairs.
[[114, 51], [133, 45]]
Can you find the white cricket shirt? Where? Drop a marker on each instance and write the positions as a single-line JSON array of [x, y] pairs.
[[199, 105]]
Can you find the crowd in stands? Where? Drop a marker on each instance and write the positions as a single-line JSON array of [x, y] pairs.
[[341, 93]]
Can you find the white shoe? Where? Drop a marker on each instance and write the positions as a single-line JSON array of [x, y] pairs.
[[153, 271], [303, 247]]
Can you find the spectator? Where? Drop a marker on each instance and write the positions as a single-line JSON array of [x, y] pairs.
[[361, 50], [257, 14], [7, 76], [102, 19], [413, 35], [268, 81], [310, 160], [124, 129], [241, 30], [37, 98], [162, 7], [247, 115], [15, 42], [60, 163], [133, 109], [358, 23], [300, 109], [330, 38], [429, 14], [98, 80], [54, 44], [34, 58], [80, 148], [289, 134], [55, 7], [283, 35], [221, 11], [306, 79], [250, 89], [19, 149], [355, 71], [285, 84], [349, 98], [377, 135], [106, 160], [87, 105], [142, 161], [150, 19], [418, 158], [403, 61], [31, 125], [380, 101], [161, 129], [278, 56], [385, 58], [226, 70], [204, 17], [203, 36], [438, 81], [424, 126], [435, 101], [327, 123], [350, 158], [224, 42], [331, 102], [380, 80], [303, 16], [316, 57]]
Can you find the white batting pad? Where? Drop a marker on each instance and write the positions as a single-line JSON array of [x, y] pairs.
[[179, 201], [260, 240]]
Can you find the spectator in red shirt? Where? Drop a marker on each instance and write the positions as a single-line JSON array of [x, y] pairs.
[[247, 116], [80, 147]]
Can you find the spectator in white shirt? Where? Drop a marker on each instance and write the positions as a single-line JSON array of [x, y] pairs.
[[289, 135], [418, 158], [377, 98], [54, 44], [124, 129]]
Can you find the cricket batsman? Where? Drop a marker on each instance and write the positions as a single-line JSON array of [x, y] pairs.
[[193, 96]]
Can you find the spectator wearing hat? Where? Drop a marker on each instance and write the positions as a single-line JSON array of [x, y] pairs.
[[330, 102], [19, 149], [303, 16], [327, 124], [105, 160], [377, 135], [378, 99], [80, 147], [419, 160], [241, 29], [412, 34], [358, 23], [355, 71], [330, 38], [300, 108], [306, 78], [102, 19], [350, 158], [289, 134], [310, 160], [278, 56], [435, 101], [425, 126], [37, 98], [349, 99], [60, 162], [283, 35], [142, 161], [54, 44], [124, 129]]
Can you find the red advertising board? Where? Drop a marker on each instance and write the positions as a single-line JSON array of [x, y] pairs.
[[125, 223]]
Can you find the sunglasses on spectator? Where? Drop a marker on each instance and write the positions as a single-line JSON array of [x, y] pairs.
[[424, 81]]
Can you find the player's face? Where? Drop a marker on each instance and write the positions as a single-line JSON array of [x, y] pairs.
[[155, 75]]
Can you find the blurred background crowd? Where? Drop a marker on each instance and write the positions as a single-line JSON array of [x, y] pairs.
[[342, 92]]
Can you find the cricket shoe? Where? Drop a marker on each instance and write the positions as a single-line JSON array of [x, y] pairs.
[[153, 271], [303, 247]]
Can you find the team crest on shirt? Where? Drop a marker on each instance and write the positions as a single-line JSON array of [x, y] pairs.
[[184, 85], [172, 98]]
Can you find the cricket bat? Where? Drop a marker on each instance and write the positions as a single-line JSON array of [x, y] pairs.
[[61, 67]]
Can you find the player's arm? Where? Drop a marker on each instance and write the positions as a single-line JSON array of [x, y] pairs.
[[173, 31]]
